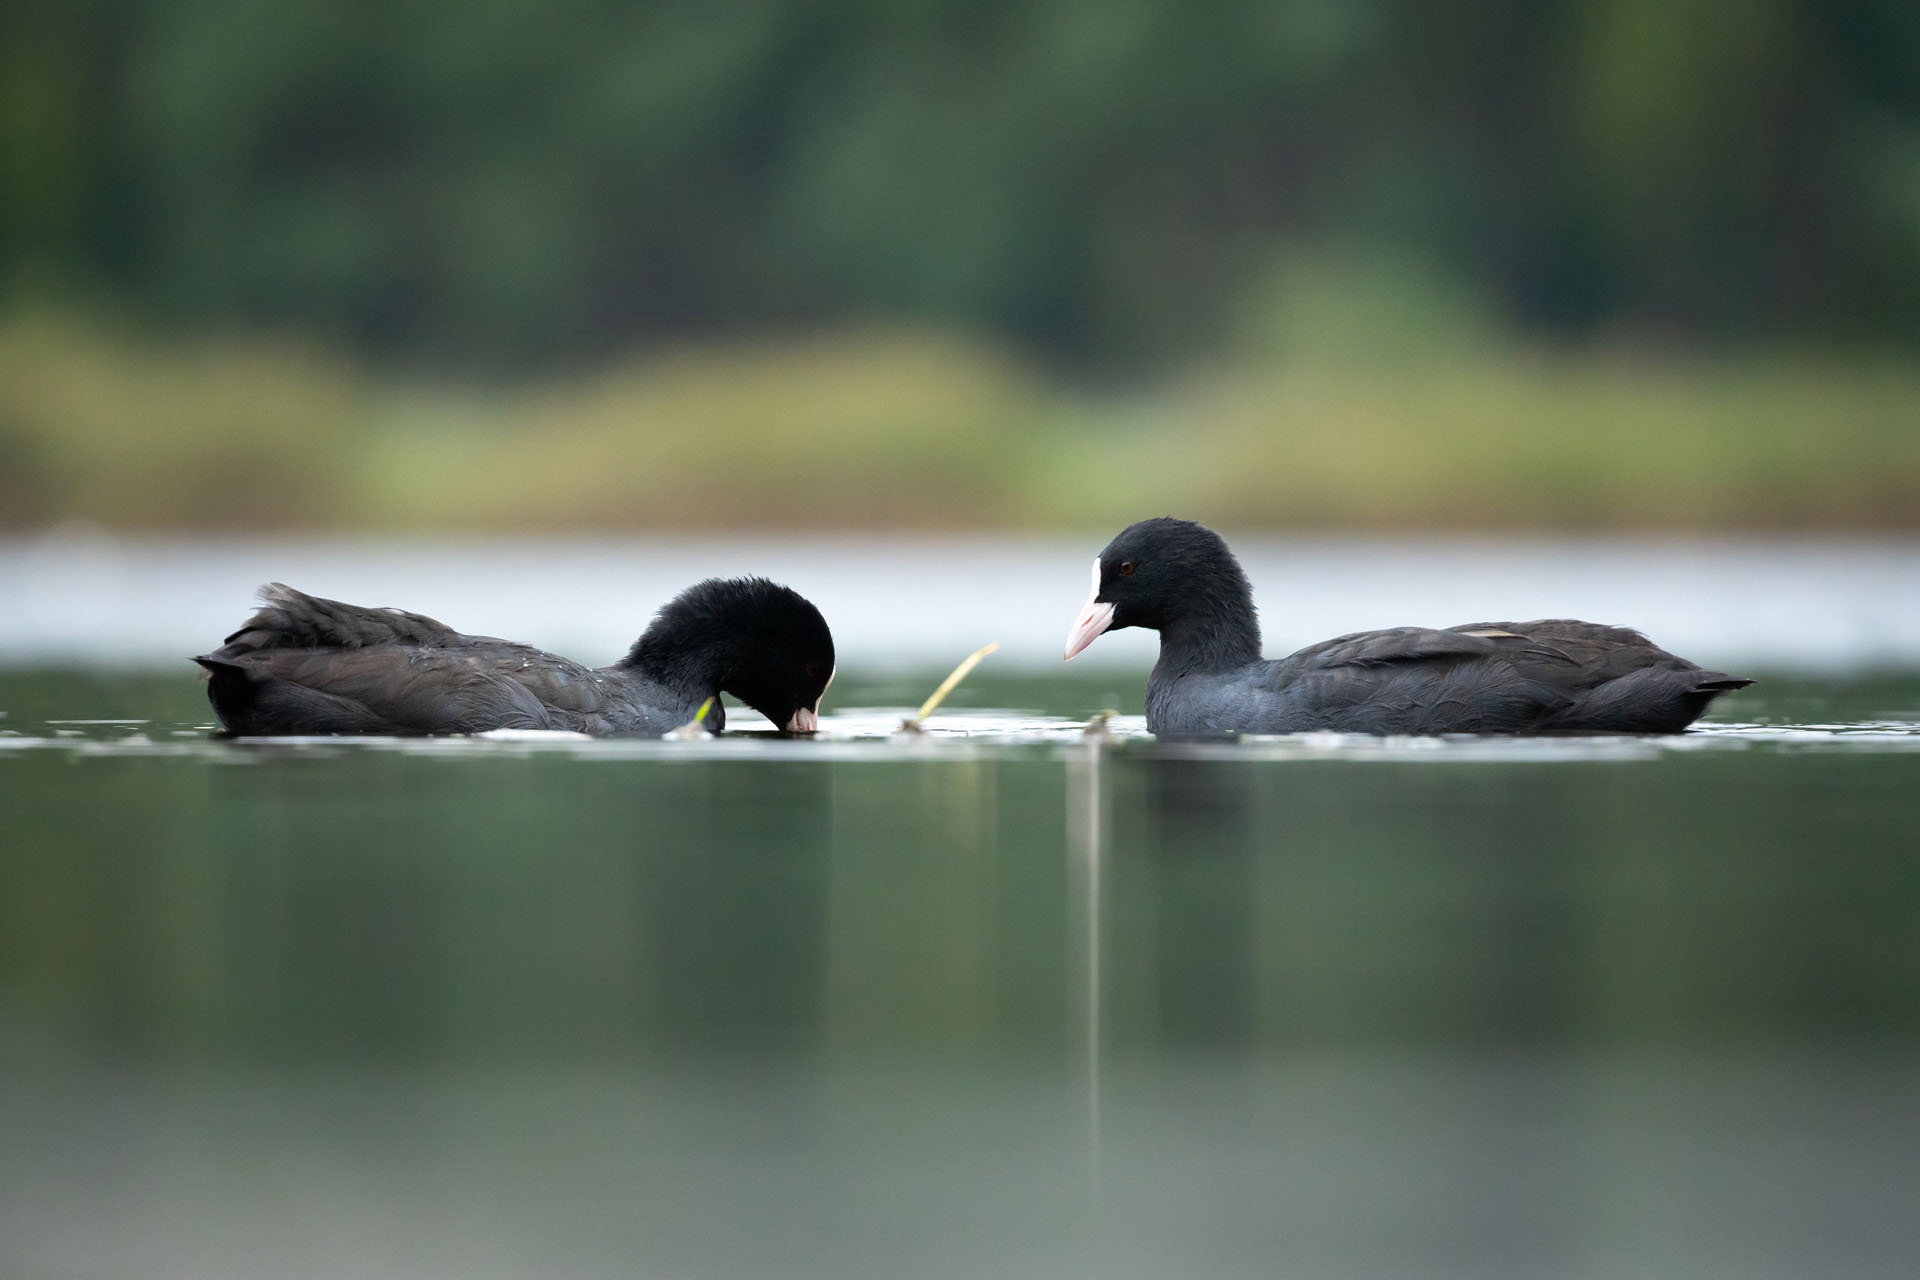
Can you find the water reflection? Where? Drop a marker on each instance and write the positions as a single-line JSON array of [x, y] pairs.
[[1193, 833], [729, 907], [995, 1002], [1087, 826]]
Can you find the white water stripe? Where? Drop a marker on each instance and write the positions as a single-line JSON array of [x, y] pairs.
[[900, 603]]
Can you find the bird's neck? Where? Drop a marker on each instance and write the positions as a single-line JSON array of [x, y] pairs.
[[681, 663], [1222, 636]]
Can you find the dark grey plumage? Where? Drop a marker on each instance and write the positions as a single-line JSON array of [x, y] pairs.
[[1546, 676], [307, 665]]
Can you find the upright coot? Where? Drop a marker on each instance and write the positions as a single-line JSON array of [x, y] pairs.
[[1554, 676], [310, 666]]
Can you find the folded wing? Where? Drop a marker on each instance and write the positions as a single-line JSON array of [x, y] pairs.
[[290, 619], [1551, 675]]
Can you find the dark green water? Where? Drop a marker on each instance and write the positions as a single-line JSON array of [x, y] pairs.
[[965, 1007]]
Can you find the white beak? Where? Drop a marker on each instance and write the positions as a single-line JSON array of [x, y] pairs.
[[1094, 618], [805, 720]]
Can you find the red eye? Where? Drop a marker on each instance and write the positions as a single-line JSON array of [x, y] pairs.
[[1126, 567], [813, 671]]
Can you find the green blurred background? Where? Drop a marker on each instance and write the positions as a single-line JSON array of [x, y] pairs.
[[1342, 264]]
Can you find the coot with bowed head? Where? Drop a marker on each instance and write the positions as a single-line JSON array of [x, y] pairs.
[[1553, 676], [304, 665]]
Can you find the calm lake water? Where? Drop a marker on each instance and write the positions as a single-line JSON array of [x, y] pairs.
[[992, 1002]]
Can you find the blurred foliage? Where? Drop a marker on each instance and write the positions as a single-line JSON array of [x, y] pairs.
[[517, 187], [919, 429]]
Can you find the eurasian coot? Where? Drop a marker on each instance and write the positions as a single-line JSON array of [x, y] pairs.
[[1557, 676], [303, 665]]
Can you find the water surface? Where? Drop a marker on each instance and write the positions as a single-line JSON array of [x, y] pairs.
[[991, 1001]]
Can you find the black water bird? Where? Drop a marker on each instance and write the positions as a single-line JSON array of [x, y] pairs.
[[304, 665], [1552, 676]]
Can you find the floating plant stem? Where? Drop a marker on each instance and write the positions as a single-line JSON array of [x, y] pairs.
[[971, 661], [696, 727]]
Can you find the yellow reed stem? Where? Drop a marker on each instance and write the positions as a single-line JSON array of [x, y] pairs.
[[971, 661]]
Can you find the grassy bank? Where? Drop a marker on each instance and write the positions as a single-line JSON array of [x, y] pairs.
[[913, 430]]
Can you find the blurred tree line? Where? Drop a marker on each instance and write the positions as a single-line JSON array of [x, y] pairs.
[[524, 185]]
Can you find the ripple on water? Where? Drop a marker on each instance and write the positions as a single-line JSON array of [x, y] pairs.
[[874, 733]]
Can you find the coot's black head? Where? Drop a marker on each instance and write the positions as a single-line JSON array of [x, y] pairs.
[[761, 642], [1161, 573]]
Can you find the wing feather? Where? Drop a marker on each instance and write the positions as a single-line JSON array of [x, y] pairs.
[[290, 619]]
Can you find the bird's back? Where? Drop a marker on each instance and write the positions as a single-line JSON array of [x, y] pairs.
[[304, 664], [1547, 676]]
